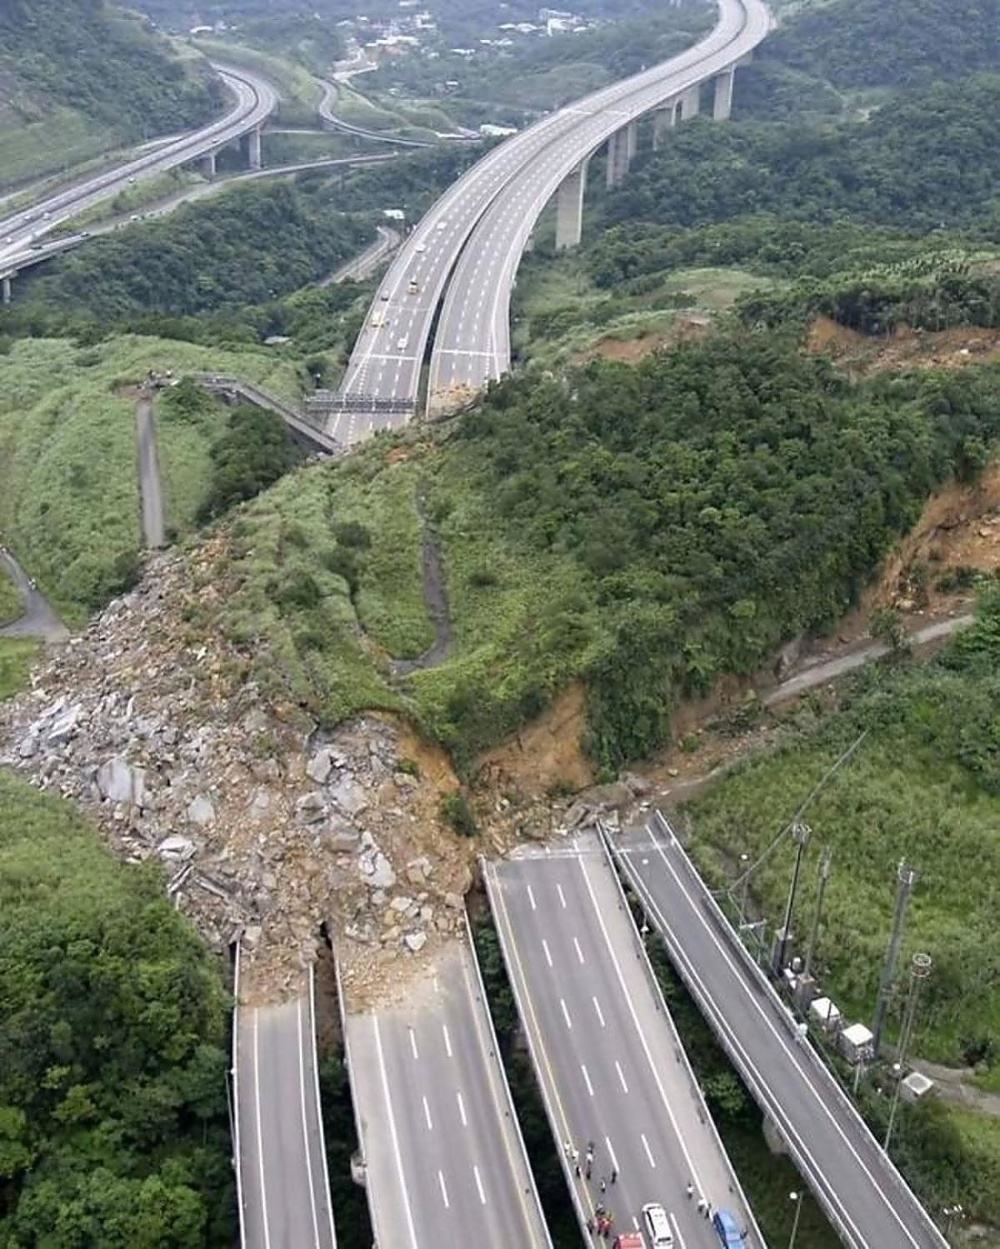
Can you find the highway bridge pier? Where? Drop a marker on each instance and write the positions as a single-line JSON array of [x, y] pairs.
[[722, 104], [691, 102], [569, 207], [250, 147], [664, 120]]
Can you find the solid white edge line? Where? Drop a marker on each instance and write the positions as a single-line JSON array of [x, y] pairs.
[[319, 1103], [778, 1109], [305, 1124], [692, 1169], [260, 1133], [393, 1134]]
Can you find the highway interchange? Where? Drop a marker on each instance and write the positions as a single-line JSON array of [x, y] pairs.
[[254, 101]]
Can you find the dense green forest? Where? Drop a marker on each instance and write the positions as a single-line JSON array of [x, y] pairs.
[[923, 161], [833, 58], [113, 1123], [646, 528], [894, 43], [102, 61], [246, 247]]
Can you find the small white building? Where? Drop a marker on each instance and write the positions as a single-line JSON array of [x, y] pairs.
[[916, 1087], [856, 1043], [826, 1013]]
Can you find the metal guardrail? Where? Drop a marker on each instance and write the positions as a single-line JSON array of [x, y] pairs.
[[328, 401], [298, 421], [705, 1114], [505, 1083]]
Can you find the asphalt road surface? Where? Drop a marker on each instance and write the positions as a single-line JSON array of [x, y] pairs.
[[472, 344], [39, 620], [255, 100], [389, 352], [364, 265], [822, 671], [848, 1172], [444, 1159], [154, 529], [284, 1188], [608, 1060]]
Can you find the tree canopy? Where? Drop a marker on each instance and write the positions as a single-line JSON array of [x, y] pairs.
[[107, 63], [113, 1123]]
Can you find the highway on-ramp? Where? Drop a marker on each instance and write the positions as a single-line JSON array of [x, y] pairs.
[[444, 1161], [254, 101], [281, 1161], [610, 1065], [850, 1175]]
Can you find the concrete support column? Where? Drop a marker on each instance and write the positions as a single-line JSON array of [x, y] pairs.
[[569, 208], [7, 290], [691, 102], [254, 159], [632, 138], [722, 104], [208, 165], [617, 158], [664, 120]]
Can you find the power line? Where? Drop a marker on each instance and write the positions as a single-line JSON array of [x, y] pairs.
[[797, 817], [907, 877]]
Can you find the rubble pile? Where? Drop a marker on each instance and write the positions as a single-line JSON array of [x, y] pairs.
[[266, 826]]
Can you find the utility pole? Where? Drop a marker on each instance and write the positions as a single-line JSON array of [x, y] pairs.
[[920, 969], [824, 876], [907, 877], [801, 834], [745, 881], [797, 1198]]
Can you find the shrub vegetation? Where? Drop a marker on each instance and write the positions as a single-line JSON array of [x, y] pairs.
[[113, 1121]]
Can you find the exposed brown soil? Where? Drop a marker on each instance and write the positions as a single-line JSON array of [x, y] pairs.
[[546, 754], [632, 350], [959, 528], [906, 348]]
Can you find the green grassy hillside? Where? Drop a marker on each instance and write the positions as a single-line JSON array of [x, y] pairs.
[[924, 784], [80, 76], [69, 500]]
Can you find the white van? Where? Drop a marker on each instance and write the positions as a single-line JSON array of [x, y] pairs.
[[657, 1225]]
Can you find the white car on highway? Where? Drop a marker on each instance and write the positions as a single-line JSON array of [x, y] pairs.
[[657, 1225]]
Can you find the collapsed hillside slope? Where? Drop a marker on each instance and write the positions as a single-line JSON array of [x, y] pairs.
[[266, 827]]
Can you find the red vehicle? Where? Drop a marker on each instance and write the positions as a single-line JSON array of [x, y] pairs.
[[629, 1240]]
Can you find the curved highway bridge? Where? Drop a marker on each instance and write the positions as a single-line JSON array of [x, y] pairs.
[[470, 242], [254, 100]]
